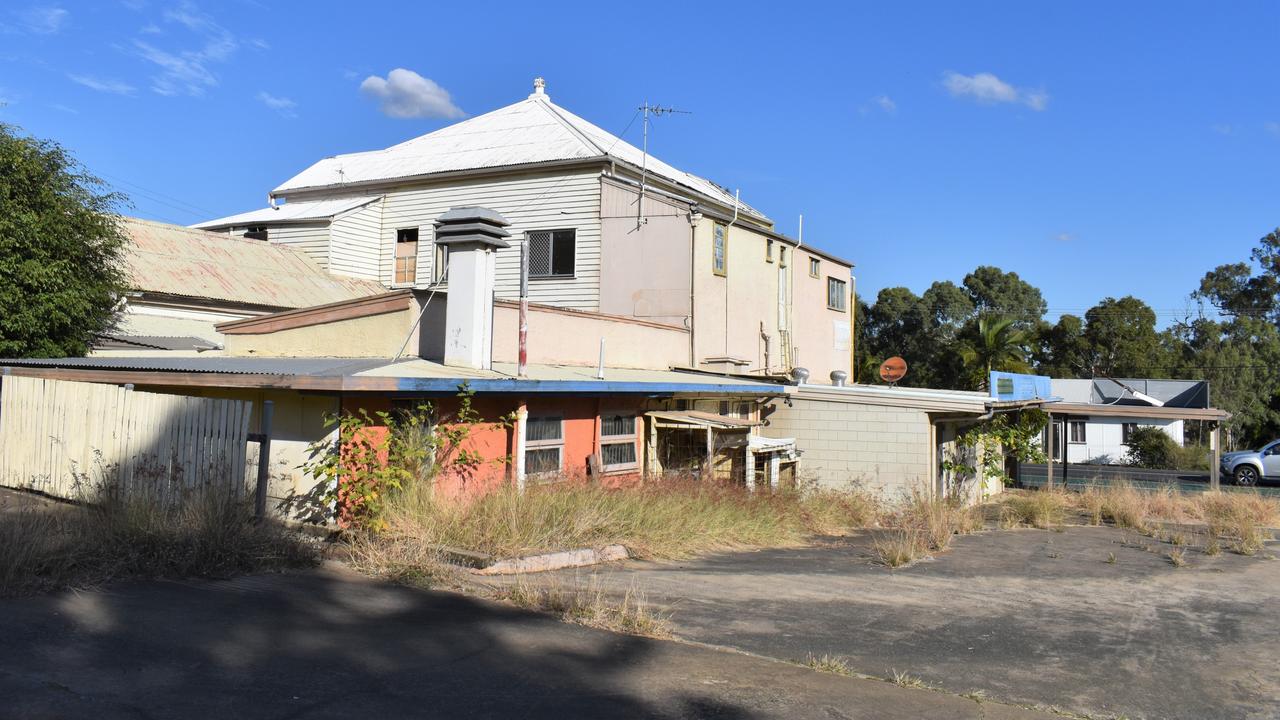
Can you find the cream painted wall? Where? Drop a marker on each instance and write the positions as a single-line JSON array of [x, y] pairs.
[[820, 347], [570, 338], [372, 336], [644, 272]]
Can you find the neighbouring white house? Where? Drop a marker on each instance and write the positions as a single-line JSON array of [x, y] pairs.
[[1089, 428]]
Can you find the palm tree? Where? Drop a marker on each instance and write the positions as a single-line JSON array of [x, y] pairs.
[[997, 345]]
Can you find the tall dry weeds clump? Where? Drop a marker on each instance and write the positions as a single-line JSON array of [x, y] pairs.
[[1042, 509], [142, 531], [923, 524]]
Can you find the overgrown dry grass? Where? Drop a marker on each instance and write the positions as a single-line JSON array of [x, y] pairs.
[[589, 605], [923, 524], [204, 533], [1042, 509], [1237, 515], [828, 664], [660, 519]]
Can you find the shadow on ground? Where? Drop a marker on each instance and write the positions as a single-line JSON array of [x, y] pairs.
[[1095, 621], [330, 644]]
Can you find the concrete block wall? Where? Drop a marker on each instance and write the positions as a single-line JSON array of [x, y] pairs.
[[884, 449]]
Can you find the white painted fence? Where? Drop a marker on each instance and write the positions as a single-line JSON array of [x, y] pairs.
[[64, 437]]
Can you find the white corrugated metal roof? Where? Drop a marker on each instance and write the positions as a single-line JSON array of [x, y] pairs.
[[534, 130], [290, 212]]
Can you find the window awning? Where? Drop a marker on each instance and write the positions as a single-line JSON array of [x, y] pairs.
[[701, 419]]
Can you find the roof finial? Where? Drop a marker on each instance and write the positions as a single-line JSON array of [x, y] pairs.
[[539, 87]]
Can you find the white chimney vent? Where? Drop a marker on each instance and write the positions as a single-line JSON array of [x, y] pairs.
[[539, 88], [472, 235]]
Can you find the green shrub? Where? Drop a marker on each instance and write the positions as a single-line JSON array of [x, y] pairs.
[[1151, 447]]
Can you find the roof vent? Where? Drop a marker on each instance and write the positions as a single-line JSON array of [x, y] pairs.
[[799, 375], [839, 378], [539, 88]]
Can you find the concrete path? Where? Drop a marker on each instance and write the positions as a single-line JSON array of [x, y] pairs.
[[330, 644], [1028, 616]]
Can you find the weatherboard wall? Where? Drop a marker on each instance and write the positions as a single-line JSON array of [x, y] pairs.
[[355, 241]]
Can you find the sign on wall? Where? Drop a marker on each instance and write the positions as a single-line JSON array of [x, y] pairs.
[[1019, 386]]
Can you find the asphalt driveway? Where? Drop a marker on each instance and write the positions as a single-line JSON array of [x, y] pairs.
[[331, 644], [1026, 616]]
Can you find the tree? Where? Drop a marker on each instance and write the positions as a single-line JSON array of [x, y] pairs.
[[60, 250], [1234, 289], [996, 292], [1151, 447], [1122, 340], [1063, 351], [994, 343]]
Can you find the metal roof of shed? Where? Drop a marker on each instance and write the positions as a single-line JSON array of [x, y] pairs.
[[531, 131], [183, 262]]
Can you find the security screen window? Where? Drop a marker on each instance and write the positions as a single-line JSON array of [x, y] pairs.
[[719, 248], [552, 253], [618, 441], [544, 444]]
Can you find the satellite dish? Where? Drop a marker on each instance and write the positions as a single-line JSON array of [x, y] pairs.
[[893, 369]]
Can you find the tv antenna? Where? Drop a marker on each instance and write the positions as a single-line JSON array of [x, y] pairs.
[[656, 111]]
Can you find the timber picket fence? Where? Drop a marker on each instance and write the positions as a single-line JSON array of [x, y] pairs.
[[63, 438]]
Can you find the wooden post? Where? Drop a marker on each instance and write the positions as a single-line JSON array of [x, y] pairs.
[[1048, 482], [264, 461], [709, 471], [749, 465], [1215, 460]]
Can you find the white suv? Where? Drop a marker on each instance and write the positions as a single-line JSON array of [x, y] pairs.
[[1248, 467]]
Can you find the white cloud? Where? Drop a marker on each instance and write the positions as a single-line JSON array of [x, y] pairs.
[[113, 87], [150, 29], [406, 94], [65, 108], [44, 20], [886, 103], [282, 105], [187, 71], [1223, 129], [1064, 237], [988, 89]]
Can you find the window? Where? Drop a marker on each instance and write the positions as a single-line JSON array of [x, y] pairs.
[[406, 256], [440, 263], [837, 297], [1126, 431], [618, 441], [1077, 432], [815, 267], [255, 232], [544, 444], [782, 256], [768, 251], [719, 250], [551, 253]]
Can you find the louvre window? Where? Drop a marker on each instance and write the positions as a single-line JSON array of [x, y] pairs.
[[719, 250], [406, 256], [815, 267], [440, 264], [552, 253], [618, 441], [544, 444], [837, 296], [768, 251]]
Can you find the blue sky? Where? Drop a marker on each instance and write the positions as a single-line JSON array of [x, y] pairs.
[[1095, 148]]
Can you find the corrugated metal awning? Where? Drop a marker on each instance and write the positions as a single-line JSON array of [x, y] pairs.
[[702, 419]]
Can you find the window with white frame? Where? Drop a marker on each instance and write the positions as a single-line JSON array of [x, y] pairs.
[[1076, 431], [406, 272], [552, 253], [1126, 431], [815, 267], [719, 249], [837, 295], [618, 441], [544, 444], [768, 250]]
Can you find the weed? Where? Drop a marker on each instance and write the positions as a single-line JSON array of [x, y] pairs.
[[828, 664], [936, 520], [590, 606], [1177, 538], [902, 679], [1177, 557], [899, 548], [1212, 547], [978, 696], [1111, 558]]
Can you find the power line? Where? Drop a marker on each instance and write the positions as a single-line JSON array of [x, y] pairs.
[[154, 196]]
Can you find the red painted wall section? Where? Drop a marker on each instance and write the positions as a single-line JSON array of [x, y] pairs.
[[496, 442]]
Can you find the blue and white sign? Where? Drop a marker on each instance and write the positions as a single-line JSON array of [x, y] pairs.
[[1018, 386]]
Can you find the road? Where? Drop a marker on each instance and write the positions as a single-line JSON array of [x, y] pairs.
[[1033, 475]]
